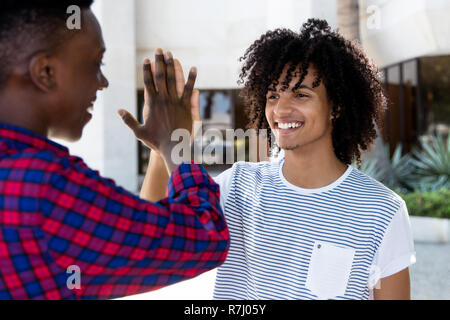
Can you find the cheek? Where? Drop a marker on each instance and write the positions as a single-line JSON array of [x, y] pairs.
[[271, 107], [318, 113], [268, 113]]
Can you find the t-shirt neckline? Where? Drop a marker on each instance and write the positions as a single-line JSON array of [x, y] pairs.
[[315, 190]]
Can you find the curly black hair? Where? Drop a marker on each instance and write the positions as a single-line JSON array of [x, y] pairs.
[[30, 25], [351, 81]]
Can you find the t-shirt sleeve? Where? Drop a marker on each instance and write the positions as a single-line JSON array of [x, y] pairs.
[[224, 182], [396, 251]]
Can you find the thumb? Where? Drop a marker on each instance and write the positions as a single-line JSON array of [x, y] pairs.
[[129, 120]]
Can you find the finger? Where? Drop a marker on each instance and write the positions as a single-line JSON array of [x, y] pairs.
[[195, 114], [161, 73], [153, 65], [179, 76], [146, 94], [189, 86], [195, 106], [129, 120], [148, 79], [171, 81]]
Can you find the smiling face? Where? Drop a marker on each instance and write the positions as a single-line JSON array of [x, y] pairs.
[[78, 77], [301, 118]]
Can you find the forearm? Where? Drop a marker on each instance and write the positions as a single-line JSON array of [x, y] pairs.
[[156, 179], [394, 287]]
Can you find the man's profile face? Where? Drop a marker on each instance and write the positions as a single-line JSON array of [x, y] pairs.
[[78, 77], [299, 118]]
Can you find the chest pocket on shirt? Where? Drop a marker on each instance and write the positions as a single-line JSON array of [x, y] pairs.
[[329, 270]]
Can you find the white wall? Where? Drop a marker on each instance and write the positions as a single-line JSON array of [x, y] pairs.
[[408, 29], [107, 144], [213, 35]]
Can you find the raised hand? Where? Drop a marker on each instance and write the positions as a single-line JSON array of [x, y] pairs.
[[195, 98], [165, 110]]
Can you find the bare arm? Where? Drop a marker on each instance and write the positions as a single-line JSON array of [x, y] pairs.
[[156, 179], [394, 287]]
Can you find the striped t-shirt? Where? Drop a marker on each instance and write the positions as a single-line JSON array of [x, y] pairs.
[[287, 242]]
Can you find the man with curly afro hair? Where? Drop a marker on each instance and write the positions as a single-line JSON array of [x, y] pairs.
[[308, 225]]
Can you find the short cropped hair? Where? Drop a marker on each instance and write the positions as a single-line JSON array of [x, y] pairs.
[[27, 26]]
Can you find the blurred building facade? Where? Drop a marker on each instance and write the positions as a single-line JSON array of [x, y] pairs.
[[408, 39], [410, 42]]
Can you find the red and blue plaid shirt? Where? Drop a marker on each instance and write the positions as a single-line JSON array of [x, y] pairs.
[[56, 213]]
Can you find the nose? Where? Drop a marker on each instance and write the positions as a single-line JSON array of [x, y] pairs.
[[104, 83], [282, 107]]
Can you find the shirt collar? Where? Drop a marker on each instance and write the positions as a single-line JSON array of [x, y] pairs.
[[27, 137]]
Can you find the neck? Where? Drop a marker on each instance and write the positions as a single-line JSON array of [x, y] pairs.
[[312, 167], [17, 110]]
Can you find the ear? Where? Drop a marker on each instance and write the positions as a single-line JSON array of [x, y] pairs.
[[338, 115], [41, 69]]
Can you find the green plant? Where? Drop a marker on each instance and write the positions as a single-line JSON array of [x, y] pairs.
[[400, 171], [370, 167], [429, 203], [432, 164], [425, 169]]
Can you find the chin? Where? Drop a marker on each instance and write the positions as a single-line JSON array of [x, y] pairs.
[[289, 148], [73, 139], [70, 137], [76, 136], [288, 145]]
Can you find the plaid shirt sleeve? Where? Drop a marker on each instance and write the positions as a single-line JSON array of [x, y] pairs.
[[123, 245]]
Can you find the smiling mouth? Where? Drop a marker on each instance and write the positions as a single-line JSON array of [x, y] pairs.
[[90, 109], [287, 127]]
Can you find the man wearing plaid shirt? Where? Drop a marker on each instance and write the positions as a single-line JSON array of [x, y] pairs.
[[56, 214]]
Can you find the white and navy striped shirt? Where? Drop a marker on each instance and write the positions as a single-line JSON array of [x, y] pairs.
[[287, 242]]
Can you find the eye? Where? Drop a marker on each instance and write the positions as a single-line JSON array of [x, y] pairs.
[[302, 95], [272, 97]]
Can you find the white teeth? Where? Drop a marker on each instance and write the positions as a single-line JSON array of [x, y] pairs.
[[289, 125], [90, 109]]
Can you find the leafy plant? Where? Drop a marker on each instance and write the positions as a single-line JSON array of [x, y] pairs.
[[371, 168], [432, 164], [401, 170], [421, 178], [430, 203], [398, 174], [425, 169]]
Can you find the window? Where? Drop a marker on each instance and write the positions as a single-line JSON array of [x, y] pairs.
[[401, 117], [419, 100], [435, 94], [394, 117]]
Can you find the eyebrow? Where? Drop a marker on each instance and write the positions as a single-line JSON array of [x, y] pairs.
[[300, 87], [306, 87]]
